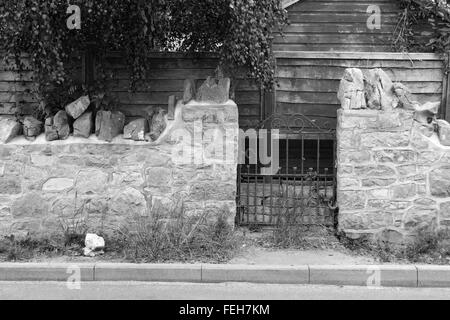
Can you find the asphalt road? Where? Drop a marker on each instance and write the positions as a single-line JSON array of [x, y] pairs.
[[192, 291]]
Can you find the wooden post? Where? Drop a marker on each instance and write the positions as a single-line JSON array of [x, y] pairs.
[[445, 112], [171, 107], [269, 103], [88, 72]]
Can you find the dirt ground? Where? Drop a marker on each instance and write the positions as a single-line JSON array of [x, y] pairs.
[[254, 248], [281, 257]]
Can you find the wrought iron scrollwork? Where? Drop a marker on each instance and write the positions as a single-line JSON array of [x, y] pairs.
[[296, 123]]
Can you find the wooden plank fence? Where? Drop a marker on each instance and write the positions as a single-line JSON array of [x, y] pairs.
[[309, 81], [165, 78], [337, 25]]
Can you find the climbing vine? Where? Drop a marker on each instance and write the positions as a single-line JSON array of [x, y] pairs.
[[423, 26], [240, 31]]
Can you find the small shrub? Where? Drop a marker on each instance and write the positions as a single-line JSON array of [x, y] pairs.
[[167, 235], [291, 231], [427, 246], [12, 249]]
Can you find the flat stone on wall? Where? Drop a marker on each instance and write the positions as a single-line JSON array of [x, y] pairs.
[[44, 185]]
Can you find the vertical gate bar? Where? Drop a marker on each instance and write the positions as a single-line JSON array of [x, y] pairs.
[[271, 200], [238, 195], [248, 194], [326, 220], [286, 179], [287, 155], [294, 200], [302, 198], [334, 180], [318, 178], [256, 195], [263, 202], [318, 155], [311, 186], [303, 154], [280, 193]]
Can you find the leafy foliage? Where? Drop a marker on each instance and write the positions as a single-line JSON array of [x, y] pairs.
[[240, 31], [423, 26]]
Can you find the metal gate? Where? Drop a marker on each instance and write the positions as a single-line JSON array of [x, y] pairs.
[[302, 191]]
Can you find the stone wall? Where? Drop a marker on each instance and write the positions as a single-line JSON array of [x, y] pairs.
[[393, 174], [45, 186]]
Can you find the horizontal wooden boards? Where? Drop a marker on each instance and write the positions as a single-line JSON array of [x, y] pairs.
[[338, 25], [308, 82], [165, 78]]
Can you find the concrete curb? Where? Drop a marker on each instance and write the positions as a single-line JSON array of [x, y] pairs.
[[354, 275]]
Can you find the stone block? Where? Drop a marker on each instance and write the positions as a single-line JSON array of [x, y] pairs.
[[351, 200], [31, 127], [189, 90], [379, 91], [156, 177], [440, 182], [444, 210], [29, 205], [389, 205], [349, 140], [9, 129], [214, 91], [407, 170], [348, 183], [57, 127], [385, 139], [83, 126], [211, 113], [91, 181], [351, 90], [158, 124], [374, 171], [354, 157], [420, 217], [109, 125], [129, 202], [444, 132], [395, 156], [10, 185], [57, 185], [136, 130], [366, 220], [426, 113], [404, 96], [375, 182], [429, 157], [78, 107], [404, 191]]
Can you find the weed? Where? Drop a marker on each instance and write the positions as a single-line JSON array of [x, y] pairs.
[[168, 235], [12, 249], [426, 246]]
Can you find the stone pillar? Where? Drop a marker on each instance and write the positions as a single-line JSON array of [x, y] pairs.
[[393, 176]]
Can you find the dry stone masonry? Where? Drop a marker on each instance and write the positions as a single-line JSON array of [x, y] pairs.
[[393, 162], [46, 185]]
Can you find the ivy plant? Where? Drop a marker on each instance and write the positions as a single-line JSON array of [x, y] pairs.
[[239, 31], [423, 25]]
